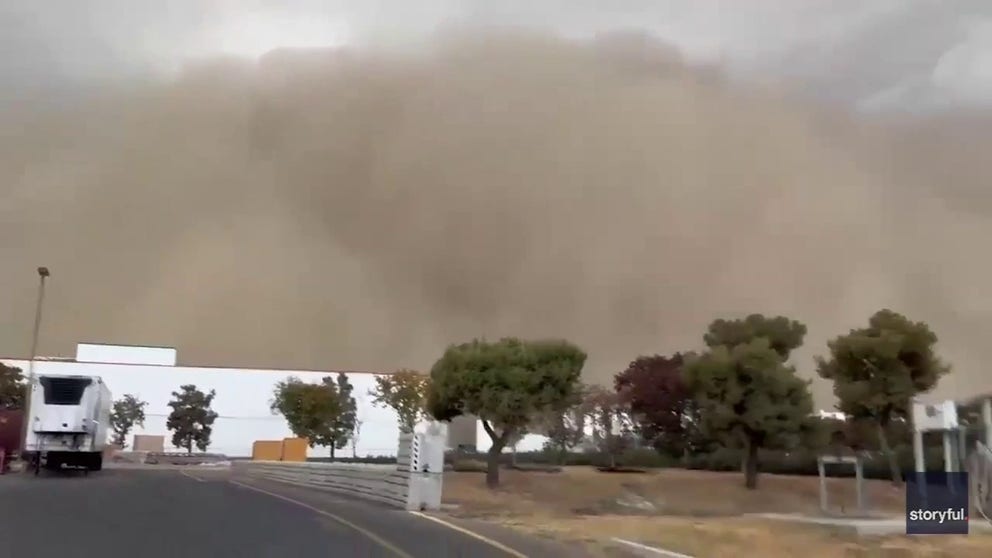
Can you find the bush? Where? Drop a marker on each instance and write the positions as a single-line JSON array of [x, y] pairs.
[[804, 462], [371, 460], [635, 457], [468, 466], [620, 470], [535, 468]]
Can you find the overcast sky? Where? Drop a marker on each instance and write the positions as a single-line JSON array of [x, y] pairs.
[[904, 54]]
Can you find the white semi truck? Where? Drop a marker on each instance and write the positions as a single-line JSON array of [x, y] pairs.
[[67, 423]]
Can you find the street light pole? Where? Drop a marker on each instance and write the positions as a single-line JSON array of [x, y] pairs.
[[43, 273]]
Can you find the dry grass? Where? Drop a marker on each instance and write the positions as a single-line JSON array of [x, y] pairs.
[[697, 513], [583, 490]]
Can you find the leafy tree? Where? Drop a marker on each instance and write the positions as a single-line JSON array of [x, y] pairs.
[[660, 404], [127, 413], [13, 387], [748, 396], [309, 409], [507, 384], [783, 334], [191, 420], [879, 369], [564, 424], [405, 392], [612, 431], [343, 425]]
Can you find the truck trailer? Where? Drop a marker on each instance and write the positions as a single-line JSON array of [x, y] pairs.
[[68, 420]]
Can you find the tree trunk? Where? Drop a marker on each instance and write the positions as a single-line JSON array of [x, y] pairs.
[[492, 457], [332, 451], [883, 443], [492, 465], [513, 455], [189, 447], [751, 465]]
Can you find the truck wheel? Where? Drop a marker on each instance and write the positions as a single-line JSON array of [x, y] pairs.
[[96, 463]]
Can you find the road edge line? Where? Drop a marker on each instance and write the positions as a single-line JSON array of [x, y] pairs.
[[656, 551], [372, 536], [495, 544], [185, 474]]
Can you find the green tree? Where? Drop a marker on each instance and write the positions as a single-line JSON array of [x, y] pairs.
[[507, 384], [783, 334], [405, 392], [879, 369], [128, 412], [749, 397], [343, 425], [310, 409], [13, 387], [191, 420]]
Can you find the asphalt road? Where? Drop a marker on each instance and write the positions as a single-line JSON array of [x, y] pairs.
[[128, 513]]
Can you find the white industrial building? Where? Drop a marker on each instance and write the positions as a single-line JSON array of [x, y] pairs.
[[242, 400]]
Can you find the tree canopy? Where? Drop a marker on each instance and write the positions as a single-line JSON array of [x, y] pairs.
[[507, 384], [13, 387], [783, 334], [342, 426], [191, 420], [877, 370], [659, 402], [405, 392], [127, 412], [564, 423], [749, 397], [309, 409], [612, 431]]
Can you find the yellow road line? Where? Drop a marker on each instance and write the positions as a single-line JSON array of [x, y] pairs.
[[472, 534], [375, 538]]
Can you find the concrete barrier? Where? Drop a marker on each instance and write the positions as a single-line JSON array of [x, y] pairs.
[[413, 483], [382, 483]]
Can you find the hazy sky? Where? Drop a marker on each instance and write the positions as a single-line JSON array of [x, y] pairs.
[[913, 54], [362, 209]]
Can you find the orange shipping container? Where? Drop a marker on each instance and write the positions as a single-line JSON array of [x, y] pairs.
[[266, 450], [294, 449]]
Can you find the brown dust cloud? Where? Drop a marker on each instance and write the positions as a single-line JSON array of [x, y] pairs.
[[353, 209]]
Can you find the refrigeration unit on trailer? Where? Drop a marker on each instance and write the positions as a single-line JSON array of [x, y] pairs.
[[68, 420]]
